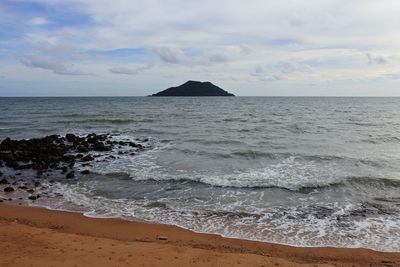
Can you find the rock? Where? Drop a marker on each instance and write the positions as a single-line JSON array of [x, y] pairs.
[[30, 191], [87, 158], [32, 197], [9, 189], [4, 181], [70, 175], [194, 88], [64, 170], [55, 152], [70, 137], [161, 237], [85, 172]]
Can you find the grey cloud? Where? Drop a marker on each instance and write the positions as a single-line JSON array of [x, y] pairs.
[[49, 63], [177, 56], [170, 55], [376, 60], [128, 71], [245, 50], [271, 78], [218, 58], [259, 70], [292, 67]]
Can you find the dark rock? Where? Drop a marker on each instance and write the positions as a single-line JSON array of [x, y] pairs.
[[32, 197], [8, 189], [87, 158], [70, 137], [194, 88], [1, 174], [55, 152], [85, 172], [64, 170], [70, 175], [4, 181], [30, 191]]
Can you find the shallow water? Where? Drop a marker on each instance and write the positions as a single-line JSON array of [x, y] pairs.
[[303, 171]]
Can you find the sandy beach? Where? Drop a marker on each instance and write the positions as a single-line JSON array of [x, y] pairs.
[[33, 236]]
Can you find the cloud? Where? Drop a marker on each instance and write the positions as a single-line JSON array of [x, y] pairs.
[[292, 67], [170, 55], [38, 21], [376, 60], [259, 70], [47, 47], [218, 58], [129, 71], [271, 78], [177, 56], [49, 63]]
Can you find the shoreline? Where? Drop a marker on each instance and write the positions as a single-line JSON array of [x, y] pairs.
[[48, 237]]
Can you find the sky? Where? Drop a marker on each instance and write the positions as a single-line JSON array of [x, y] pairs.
[[249, 48]]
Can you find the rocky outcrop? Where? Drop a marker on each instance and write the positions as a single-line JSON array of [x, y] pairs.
[[194, 88], [56, 152]]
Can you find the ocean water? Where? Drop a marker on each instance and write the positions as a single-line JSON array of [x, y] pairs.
[[304, 171]]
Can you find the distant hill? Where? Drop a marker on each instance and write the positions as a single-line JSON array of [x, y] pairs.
[[194, 88]]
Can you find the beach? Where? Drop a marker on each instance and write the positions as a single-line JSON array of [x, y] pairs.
[[32, 236]]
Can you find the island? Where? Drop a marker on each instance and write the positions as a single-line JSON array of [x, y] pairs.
[[194, 88]]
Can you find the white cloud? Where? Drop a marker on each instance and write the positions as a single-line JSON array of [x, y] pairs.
[[49, 63], [292, 41], [38, 21]]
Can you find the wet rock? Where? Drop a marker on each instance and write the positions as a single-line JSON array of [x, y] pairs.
[[9, 189], [4, 181], [64, 170], [85, 172], [55, 152], [70, 175], [87, 158]]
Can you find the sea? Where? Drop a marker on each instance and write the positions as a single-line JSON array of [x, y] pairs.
[[301, 171]]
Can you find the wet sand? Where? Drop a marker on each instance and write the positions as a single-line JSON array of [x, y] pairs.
[[31, 236]]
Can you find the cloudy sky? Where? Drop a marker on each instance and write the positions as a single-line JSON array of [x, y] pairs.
[[254, 47]]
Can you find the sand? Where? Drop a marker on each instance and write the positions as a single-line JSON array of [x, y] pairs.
[[31, 236]]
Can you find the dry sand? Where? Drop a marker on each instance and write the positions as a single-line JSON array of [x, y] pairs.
[[38, 237]]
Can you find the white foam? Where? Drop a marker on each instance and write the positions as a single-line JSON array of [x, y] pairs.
[[296, 225]]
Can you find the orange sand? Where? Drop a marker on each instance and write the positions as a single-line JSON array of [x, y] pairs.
[[39, 237]]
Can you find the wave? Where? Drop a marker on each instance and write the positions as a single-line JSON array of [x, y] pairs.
[[250, 154], [293, 180], [379, 140], [111, 121]]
